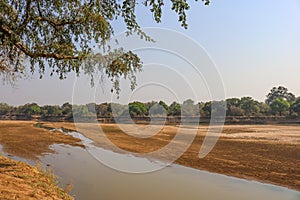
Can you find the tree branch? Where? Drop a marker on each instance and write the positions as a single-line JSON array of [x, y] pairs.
[[27, 18], [8, 32]]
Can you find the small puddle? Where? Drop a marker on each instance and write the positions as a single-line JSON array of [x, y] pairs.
[[93, 180]]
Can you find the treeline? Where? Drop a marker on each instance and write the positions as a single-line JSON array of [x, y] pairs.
[[279, 102]]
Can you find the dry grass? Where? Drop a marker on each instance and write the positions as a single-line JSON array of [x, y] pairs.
[[21, 181], [23, 139]]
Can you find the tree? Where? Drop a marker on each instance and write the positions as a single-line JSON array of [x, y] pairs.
[[61, 35], [116, 109], [29, 109], [249, 105], [5, 109], [138, 109], [103, 110], [279, 105], [279, 92], [164, 105], [235, 111], [80, 111], [233, 107], [91, 107], [188, 108], [264, 108], [51, 111], [157, 110], [34, 110], [295, 107], [66, 109], [214, 107], [207, 108], [174, 109]]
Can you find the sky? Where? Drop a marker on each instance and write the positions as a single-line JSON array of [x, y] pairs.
[[230, 49]]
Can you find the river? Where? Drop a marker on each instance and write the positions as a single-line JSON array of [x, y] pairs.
[[92, 180]]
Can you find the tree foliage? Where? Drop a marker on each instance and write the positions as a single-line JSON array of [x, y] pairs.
[[279, 92], [5, 109], [61, 35], [279, 105], [174, 109], [296, 106], [138, 109], [249, 105]]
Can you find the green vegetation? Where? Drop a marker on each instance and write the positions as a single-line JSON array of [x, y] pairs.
[[60, 36], [282, 105]]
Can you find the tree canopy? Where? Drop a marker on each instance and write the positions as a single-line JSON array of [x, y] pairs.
[[279, 105], [279, 92], [61, 34], [244, 106]]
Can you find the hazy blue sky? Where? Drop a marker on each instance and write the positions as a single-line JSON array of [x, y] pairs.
[[255, 45]]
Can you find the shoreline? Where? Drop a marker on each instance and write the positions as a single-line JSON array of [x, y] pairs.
[[23, 181], [263, 176], [249, 179], [220, 160]]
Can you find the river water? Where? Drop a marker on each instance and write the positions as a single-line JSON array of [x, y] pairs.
[[92, 180]]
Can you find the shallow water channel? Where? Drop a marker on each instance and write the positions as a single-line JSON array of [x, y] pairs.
[[92, 180]]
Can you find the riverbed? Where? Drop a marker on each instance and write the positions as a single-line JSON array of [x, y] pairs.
[[93, 180]]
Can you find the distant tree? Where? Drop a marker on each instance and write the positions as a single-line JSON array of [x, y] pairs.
[[150, 104], [51, 111], [279, 105], [116, 109], [81, 111], [279, 92], [235, 111], [66, 108], [163, 104], [233, 107], [29, 109], [35, 109], [207, 108], [91, 107], [200, 106], [157, 110], [5, 109], [138, 109], [296, 106], [264, 108], [174, 109], [218, 108], [188, 108], [249, 105], [214, 107]]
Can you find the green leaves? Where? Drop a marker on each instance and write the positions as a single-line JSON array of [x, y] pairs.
[[180, 7], [279, 105], [60, 35]]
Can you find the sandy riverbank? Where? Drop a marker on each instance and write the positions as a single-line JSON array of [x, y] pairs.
[[267, 153], [22, 181]]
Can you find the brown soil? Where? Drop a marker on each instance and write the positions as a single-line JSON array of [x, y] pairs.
[[23, 139], [266, 153], [21, 181]]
